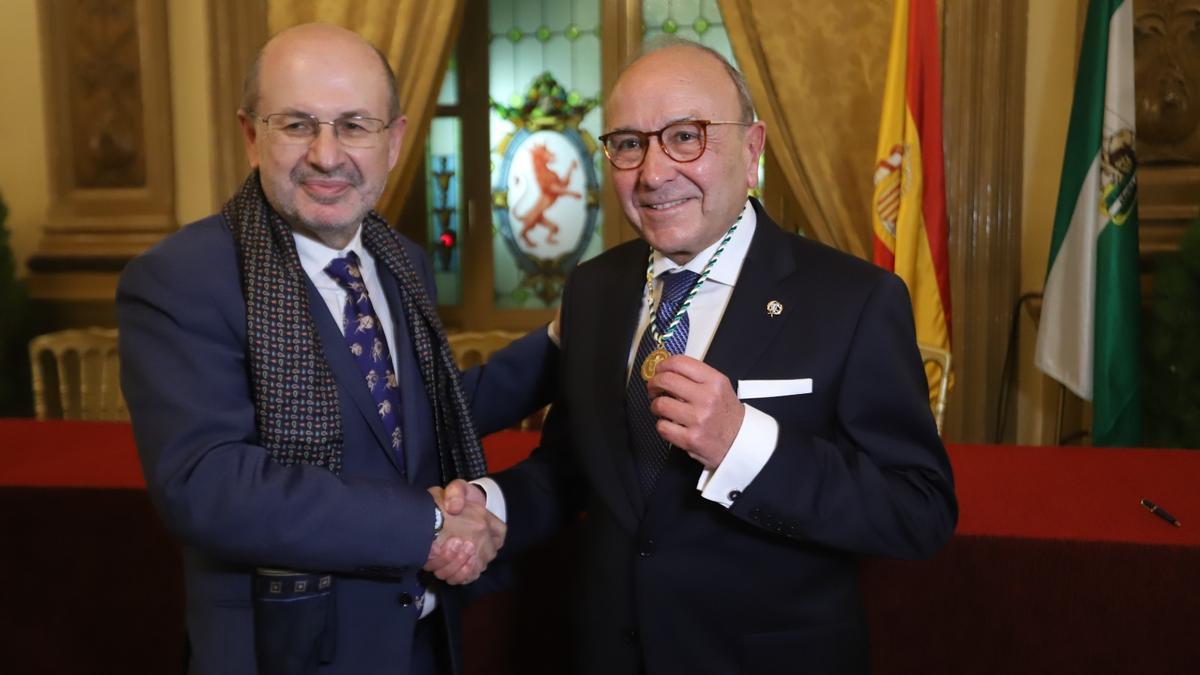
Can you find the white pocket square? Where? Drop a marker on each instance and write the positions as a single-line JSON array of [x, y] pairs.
[[771, 388]]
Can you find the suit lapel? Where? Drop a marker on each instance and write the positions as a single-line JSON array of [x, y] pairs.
[[412, 386], [619, 307], [747, 328], [345, 371]]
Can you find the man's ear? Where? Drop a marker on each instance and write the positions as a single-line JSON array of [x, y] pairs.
[[249, 136], [754, 143], [395, 138]]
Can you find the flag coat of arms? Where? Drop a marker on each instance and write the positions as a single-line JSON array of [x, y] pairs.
[[1088, 335], [909, 211]]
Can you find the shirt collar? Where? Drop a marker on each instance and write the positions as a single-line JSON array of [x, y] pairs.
[[315, 256], [727, 267]]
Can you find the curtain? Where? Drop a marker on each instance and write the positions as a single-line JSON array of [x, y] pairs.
[[816, 71], [418, 37]]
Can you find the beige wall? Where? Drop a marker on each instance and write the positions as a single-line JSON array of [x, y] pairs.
[[1049, 83], [23, 175], [23, 163]]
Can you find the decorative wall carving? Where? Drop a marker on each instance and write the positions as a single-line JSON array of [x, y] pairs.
[[1167, 79], [108, 141], [1167, 57], [106, 95]]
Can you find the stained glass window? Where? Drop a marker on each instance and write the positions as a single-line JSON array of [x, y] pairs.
[[444, 201], [698, 20], [544, 85]]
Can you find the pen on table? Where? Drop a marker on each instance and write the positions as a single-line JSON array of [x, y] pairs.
[[1158, 511]]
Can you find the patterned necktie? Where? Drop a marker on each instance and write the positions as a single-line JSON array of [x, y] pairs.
[[368, 345], [649, 449]]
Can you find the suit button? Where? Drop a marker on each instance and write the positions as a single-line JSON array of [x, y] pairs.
[[631, 635], [734, 494], [404, 599], [647, 549]]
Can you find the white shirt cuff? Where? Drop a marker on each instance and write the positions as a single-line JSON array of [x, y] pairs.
[[751, 449], [495, 497], [430, 604]]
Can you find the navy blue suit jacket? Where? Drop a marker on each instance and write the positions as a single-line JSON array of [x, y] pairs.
[[186, 379], [675, 583]]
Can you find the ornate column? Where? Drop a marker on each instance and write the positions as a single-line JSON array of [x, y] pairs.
[[238, 31], [109, 143], [984, 75]]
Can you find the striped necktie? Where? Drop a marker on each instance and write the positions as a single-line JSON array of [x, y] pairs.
[[649, 449]]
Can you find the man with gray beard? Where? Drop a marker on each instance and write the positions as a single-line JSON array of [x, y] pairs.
[[294, 401]]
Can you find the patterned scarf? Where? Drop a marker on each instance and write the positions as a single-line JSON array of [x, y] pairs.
[[295, 396]]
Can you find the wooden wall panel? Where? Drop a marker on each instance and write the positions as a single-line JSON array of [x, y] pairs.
[[109, 143]]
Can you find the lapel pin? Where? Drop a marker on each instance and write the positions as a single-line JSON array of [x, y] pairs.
[[774, 308]]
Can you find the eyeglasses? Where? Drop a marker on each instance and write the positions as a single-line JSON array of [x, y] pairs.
[[681, 141], [301, 129]]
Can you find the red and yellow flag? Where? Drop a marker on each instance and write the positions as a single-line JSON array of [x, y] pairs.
[[909, 214]]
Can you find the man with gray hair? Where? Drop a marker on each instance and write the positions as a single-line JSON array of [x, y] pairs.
[[742, 412], [294, 401]]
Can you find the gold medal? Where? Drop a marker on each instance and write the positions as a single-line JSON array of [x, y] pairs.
[[651, 363]]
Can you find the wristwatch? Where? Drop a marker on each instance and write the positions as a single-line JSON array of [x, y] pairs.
[[439, 519]]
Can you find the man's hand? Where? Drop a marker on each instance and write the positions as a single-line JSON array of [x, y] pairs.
[[470, 536], [458, 494], [697, 408], [555, 326]]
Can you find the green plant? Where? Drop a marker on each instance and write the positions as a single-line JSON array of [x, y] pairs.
[[16, 396], [1171, 359]]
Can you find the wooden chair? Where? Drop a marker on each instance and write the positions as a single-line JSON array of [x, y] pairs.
[[473, 348], [939, 359], [76, 375]]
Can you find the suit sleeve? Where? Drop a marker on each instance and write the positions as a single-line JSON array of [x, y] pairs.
[[883, 484], [544, 492], [185, 377], [514, 383]]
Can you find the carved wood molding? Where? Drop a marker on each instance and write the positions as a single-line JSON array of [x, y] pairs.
[[108, 137], [1167, 82], [238, 31], [984, 75]]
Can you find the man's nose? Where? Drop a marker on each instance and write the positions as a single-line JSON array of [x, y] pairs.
[[658, 167], [325, 150]]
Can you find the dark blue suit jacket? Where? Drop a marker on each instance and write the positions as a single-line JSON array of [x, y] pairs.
[[675, 583], [185, 377]]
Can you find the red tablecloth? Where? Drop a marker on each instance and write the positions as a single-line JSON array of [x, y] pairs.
[[1079, 493], [103, 455], [1089, 494], [68, 454], [1055, 567]]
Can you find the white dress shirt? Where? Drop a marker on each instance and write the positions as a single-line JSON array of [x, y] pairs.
[[315, 256]]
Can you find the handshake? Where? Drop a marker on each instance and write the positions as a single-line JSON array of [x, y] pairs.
[[470, 536]]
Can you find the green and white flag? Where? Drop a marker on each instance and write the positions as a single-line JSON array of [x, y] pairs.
[[1088, 338]]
